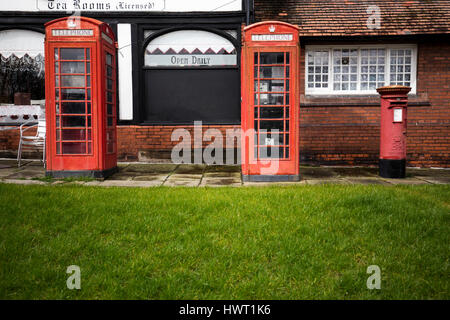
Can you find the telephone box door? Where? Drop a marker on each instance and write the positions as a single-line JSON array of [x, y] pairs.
[[270, 108], [75, 143]]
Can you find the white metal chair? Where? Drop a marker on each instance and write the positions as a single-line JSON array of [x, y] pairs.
[[36, 141]]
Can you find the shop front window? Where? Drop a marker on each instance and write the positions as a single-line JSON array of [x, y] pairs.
[[190, 48], [191, 75], [21, 65]]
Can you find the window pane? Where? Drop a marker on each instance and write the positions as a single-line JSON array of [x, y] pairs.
[[271, 72], [73, 147], [271, 125], [72, 67], [108, 59], [372, 69], [72, 81], [400, 66], [272, 113], [72, 94], [271, 99], [358, 69], [73, 134], [270, 85], [72, 107], [345, 69], [72, 54], [318, 71], [271, 58], [73, 121]]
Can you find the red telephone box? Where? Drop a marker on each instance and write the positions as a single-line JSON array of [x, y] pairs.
[[394, 101], [80, 84], [270, 102]]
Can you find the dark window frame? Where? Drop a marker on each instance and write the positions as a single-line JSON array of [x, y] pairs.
[[139, 64]]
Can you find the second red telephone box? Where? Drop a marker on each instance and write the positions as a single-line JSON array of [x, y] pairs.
[[80, 89], [270, 105]]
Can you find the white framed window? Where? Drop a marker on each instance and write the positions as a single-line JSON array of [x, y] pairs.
[[359, 69]]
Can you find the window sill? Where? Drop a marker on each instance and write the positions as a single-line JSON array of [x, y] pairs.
[[355, 100]]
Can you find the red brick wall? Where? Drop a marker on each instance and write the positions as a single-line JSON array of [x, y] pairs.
[[155, 141], [344, 130], [334, 130]]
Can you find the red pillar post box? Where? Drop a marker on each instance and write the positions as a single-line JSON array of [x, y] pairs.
[[80, 84], [394, 101], [270, 102]]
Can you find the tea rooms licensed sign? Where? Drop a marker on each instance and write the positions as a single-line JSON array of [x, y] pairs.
[[120, 5], [100, 5]]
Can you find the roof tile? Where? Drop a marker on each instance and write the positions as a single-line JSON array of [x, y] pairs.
[[344, 17]]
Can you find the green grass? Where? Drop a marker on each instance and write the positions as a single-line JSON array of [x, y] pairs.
[[304, 242]]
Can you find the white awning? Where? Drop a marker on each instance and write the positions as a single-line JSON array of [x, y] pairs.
[[190, 41], [20, 42]]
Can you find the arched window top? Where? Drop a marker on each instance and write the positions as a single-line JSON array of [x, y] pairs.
[[19, 42], [190, 48]]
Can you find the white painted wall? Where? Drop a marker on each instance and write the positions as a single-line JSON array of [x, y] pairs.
[[124, 59]]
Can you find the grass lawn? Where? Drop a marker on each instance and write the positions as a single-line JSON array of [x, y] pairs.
[[303, 242]]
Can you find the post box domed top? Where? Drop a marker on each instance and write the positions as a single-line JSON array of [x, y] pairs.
[[80, 23], [393, 89]]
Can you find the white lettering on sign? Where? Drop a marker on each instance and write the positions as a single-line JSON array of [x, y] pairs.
[[73, 32], [181, 60], [272, 37], [398, 115]]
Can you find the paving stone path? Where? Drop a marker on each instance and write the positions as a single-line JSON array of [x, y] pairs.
[[195, 175]]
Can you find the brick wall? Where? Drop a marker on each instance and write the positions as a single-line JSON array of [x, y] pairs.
[[344, 130], [147, 142], [337, 130]]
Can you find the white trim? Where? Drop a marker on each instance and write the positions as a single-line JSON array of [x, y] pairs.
[[124, 58], [330, 91]]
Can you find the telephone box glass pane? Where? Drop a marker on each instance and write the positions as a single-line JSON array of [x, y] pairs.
[[271, 125], [272, 113], [73, 94], [73, 81], [73, 107], [73, 121], [271, 88], [109, 97], [73, 147], [72, 54], [272, 58], [272, 99], [269, 85], [271, 72], [74, 134], [72, 67]]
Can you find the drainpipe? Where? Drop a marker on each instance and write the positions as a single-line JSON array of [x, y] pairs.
[[248, 12]]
